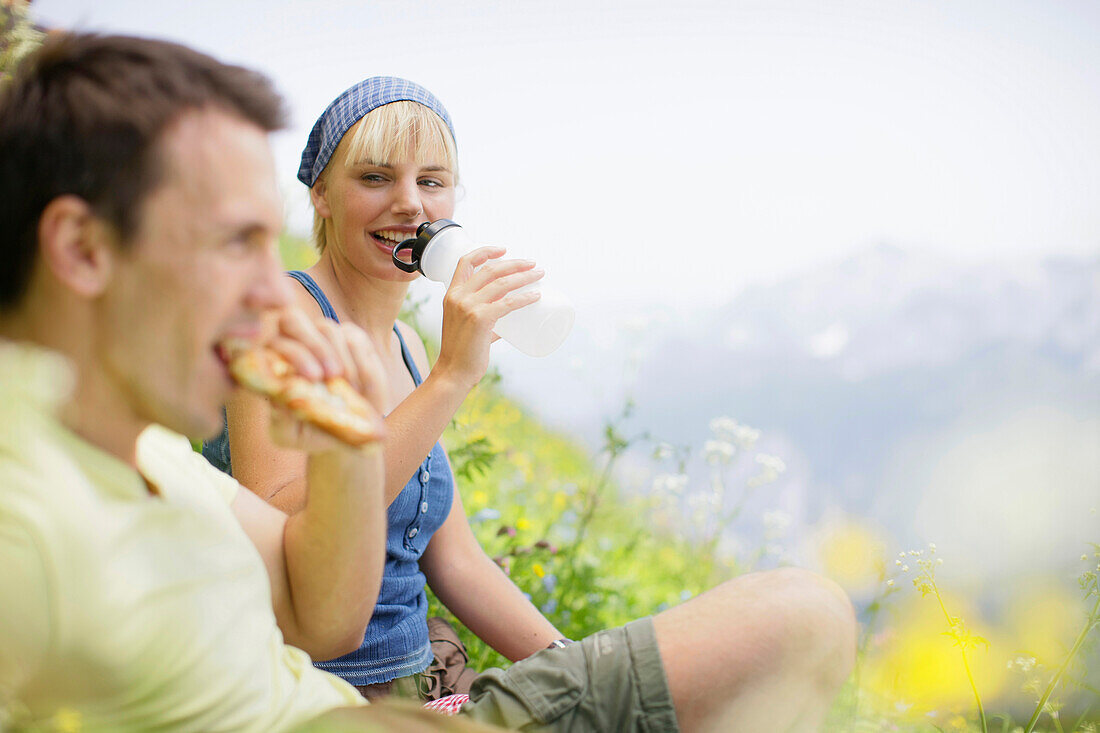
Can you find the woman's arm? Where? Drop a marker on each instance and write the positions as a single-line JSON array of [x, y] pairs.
[[478, 592], [471, 307], [479, 294]]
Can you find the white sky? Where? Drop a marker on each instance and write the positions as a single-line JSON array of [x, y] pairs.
[[670, 152]]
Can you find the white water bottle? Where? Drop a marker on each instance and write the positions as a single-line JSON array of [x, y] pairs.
[[536, 329]]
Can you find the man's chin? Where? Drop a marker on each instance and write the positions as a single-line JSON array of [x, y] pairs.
[[198, 427]]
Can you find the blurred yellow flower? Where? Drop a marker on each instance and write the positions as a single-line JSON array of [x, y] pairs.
[[479, 498], [523, 524], [538, 570], [1043, 622], [67, 720], [852, 552], [560, 500], [924, 666]]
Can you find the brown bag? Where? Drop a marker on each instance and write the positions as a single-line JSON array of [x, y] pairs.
[[448, 674]]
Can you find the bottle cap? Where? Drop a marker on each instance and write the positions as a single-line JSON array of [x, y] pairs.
[[416, 245]]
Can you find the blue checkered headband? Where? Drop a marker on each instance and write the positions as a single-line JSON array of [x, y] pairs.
[[349, 108]]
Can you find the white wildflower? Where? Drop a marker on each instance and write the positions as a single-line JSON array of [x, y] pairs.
[[771, 467], [731, 431], [718, 451], [723, 427], [746, 437], [776, 523], [672, 484], [663, 451], [771, 463]]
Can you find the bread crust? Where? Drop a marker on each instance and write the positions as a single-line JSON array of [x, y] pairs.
[[332, 405]]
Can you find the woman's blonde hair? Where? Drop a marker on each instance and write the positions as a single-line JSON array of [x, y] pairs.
[[386, 134]]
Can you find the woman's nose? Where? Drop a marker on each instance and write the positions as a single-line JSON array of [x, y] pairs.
[[406, 199]]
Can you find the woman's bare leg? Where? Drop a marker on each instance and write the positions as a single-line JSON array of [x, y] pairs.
[[764, 651]]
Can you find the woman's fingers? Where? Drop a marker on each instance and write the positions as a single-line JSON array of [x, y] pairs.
[[496, 289], [473, 260], [496, 270], [510, 302]]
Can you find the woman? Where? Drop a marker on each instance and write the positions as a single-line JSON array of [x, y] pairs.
[[379, 162]]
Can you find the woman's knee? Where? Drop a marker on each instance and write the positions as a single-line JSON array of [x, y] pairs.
[[817, 622], [798, 619]]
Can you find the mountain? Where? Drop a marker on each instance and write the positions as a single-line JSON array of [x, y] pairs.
[[868, 375]]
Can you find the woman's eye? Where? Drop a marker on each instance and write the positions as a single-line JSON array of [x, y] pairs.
[[431, 183], [373, 177]]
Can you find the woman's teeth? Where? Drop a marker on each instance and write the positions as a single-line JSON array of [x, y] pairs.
[[390, 237]]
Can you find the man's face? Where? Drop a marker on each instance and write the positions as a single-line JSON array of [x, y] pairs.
[[203, 265]]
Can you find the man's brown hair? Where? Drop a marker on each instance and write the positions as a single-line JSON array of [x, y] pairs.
[[83, 115]]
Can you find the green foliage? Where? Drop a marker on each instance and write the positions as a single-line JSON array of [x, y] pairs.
[[18, 37], [552, 518], [297, 253]]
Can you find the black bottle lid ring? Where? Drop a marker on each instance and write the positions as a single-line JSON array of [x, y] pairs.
[[417, 244]]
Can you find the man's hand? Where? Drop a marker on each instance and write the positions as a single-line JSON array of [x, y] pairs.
[[330, 385]]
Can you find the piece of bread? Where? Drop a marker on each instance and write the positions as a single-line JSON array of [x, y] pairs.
[[333, 405]]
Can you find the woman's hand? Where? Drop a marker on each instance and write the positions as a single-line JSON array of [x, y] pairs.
[[481, 292]]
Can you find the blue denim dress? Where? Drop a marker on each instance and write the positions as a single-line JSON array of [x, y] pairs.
[[396, 642]]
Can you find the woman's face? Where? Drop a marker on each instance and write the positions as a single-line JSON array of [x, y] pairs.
[[371, 206]]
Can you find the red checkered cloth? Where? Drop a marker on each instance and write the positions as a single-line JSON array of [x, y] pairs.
[[447, 705]]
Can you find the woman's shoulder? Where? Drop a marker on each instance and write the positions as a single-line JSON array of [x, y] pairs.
[[303, 299]]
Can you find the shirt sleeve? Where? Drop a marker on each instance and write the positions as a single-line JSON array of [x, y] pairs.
[[25, 613]]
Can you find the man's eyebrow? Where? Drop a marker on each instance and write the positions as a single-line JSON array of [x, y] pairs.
[[246, 230]]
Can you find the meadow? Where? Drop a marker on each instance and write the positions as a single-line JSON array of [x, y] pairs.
[[594, 550], [592, 553]]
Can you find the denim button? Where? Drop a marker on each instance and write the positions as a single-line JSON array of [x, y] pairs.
[[423, 507], [424, 476], [413, 532]]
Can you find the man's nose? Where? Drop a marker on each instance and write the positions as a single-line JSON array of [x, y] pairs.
[[270, 288]]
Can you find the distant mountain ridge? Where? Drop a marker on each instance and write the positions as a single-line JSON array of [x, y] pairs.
[[849, 360]]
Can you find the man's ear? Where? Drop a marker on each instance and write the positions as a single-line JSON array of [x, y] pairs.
[[77, 247], [318, 194]]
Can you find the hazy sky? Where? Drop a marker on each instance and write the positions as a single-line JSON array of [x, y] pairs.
[[671, 152]]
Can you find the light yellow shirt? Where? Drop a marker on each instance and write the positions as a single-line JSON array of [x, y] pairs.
[[121, 610]]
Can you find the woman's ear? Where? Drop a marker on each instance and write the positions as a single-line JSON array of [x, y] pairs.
[[77, 247], [318, 194]]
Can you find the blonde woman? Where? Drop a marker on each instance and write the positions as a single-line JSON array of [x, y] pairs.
[[380, 161]]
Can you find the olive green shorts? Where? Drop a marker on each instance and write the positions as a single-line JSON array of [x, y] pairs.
[[611, 681]]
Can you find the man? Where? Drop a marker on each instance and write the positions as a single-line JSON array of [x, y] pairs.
[[138, 213]]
